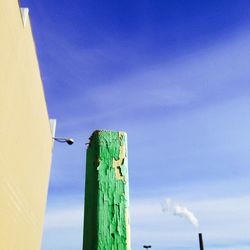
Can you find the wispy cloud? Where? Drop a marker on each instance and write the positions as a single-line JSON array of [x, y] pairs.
[[182, 94], [202, 145], [208, 75], [224, 224]]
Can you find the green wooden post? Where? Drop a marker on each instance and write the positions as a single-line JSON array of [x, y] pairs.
[[106, 218]]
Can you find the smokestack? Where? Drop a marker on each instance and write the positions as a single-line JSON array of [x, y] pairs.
[[201, 241]]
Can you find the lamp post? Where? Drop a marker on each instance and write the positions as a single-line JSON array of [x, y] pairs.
[[69, 141]]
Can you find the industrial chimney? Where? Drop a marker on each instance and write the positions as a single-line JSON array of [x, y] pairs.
[[201, 241]]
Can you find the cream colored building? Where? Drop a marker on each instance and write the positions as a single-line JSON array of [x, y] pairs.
[[25, 134]]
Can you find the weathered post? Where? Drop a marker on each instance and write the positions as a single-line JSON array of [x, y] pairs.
[[106, 218]]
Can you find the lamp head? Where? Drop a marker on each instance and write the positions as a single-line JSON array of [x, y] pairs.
[[70, 141]]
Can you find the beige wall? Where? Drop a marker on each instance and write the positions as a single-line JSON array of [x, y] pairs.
[[25, 136]]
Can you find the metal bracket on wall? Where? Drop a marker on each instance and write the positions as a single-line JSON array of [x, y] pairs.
[[53, 129], [24, 14]]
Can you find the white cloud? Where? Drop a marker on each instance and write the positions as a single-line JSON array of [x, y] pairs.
[[62, 218], [210, 74], [224, 224], [207, 141]]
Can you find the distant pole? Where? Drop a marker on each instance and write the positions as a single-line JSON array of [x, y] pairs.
[[201, 241], [106, 217]]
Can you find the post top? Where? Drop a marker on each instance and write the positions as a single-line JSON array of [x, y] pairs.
[[100, 131]]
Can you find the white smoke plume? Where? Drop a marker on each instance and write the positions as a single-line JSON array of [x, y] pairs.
[[177, 210]]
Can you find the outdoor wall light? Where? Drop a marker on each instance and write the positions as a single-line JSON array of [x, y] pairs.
[[69, 141]]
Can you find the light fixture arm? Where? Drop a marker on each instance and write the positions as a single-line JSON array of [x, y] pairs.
[[69, 141]]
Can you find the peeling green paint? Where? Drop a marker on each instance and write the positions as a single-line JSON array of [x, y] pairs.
[[106, 220]]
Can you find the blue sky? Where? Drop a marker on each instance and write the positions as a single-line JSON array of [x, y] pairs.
[[175, 76]]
